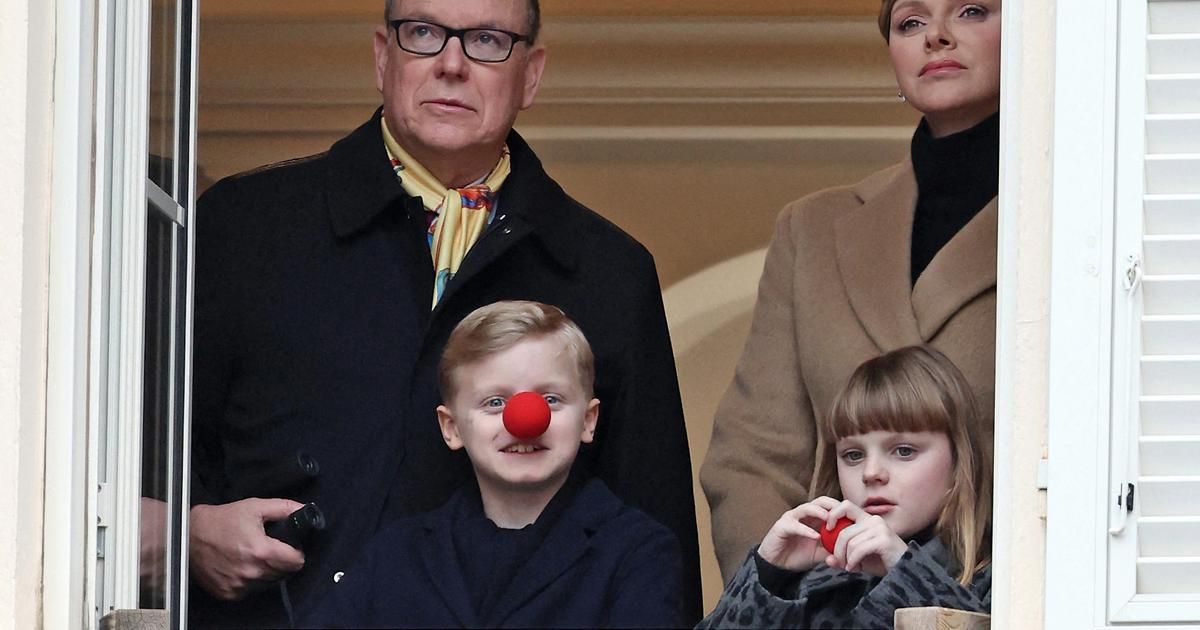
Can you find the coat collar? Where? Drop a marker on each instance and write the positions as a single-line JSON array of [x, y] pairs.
[[532, 196], [874, 243], [531, 206], [362, 185], [566, 543]]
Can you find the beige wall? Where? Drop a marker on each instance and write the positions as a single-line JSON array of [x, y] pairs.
[[709, 315], [26, 43], [708, 124], [1024, 352]]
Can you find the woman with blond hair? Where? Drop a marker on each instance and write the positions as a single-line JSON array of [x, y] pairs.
[[904, 257]]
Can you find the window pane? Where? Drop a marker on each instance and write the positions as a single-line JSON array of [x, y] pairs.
[[164, 90], [157, 410]]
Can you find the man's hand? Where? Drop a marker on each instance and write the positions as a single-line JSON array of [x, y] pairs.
[[230, 554]]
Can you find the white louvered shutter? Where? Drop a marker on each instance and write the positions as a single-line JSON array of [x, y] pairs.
[[1154, 552]]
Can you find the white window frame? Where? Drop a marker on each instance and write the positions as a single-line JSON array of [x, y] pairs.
[[1089, 310], [69, 500], [1082, 264], [1006, 312], [95, 329], [1080, 317]]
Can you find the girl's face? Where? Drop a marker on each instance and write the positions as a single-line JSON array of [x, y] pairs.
[[946, 54], [903, 477]]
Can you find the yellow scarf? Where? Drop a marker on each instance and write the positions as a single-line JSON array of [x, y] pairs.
[[462, 213]]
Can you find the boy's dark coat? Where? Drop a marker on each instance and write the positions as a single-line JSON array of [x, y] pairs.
[[601, 565]]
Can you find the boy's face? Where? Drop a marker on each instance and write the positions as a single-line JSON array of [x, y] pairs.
[[473, 419]]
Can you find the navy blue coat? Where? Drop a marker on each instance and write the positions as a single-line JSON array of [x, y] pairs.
[[313, 332], [602, 564]]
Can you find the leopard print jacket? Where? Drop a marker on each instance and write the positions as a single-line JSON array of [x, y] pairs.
[[833, 598]]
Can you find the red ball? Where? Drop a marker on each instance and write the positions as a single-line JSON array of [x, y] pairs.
[[526, 415], [829, 536]]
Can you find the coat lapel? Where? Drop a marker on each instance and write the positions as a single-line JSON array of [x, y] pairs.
[[441, 564], [873, 245], [960, 271]]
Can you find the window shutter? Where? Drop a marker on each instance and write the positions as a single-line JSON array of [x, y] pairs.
[[1155, 542]]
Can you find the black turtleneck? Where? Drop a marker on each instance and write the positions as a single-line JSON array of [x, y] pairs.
[[957, 176]]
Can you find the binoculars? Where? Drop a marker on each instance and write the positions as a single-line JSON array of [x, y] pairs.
[[298, 526]]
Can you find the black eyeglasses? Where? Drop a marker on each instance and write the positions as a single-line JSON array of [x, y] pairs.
[[486, 45]]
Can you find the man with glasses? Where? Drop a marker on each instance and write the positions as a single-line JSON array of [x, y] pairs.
[[326, 288]]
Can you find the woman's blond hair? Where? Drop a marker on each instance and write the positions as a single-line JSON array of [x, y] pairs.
[[917, 389]]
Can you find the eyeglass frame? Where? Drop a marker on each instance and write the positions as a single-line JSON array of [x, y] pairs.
[[458, 33]]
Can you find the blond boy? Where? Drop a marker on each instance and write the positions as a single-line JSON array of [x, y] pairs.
[[532, 543]]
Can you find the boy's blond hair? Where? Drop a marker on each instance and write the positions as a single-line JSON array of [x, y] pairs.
[[917, 389], [499, 326]]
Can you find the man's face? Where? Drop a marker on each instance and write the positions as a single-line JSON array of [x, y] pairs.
[[447, 105], [474, 418], [902, 477]]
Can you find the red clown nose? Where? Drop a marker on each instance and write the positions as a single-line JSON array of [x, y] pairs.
[[829, 536], [526, 415]]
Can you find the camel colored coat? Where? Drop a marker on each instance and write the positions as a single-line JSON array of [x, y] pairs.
[[836, 291]]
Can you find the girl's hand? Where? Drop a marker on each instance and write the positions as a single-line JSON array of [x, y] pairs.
[[868, 546], [793, 542]]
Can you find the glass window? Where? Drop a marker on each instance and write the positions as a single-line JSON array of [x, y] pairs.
[[158, 409], [164, 94], [148, 181]]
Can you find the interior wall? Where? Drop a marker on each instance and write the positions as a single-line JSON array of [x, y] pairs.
[[709, 315], [26, 71], [1023, 342], [687, 124]]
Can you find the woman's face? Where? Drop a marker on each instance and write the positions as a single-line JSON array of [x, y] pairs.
[[946, 54]]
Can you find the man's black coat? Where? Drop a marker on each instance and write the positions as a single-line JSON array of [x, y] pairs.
[[313, 331]]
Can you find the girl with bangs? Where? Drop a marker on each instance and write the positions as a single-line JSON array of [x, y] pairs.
[[904, 463]]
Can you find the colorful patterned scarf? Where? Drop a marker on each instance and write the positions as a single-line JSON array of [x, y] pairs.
[[460, 213]]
